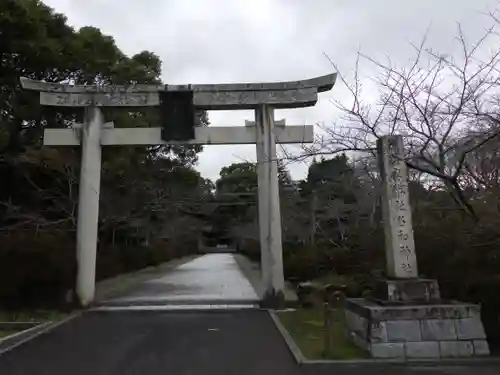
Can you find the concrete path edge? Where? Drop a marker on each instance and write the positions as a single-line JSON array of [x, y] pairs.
[[300, 359]]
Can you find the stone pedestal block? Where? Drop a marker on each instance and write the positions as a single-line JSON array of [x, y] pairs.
[[418, 291], [416, 331]]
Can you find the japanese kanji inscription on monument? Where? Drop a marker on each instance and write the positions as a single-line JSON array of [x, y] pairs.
[[399, 242]]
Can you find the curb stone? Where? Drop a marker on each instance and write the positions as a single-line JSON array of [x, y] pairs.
[[19, 335], [17, 339], [292, 346]]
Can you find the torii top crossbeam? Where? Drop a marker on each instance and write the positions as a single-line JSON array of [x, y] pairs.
[[292, 94]]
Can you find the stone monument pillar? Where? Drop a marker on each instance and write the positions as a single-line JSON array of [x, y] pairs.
[[406, 317], [399, 244], [403, 284]]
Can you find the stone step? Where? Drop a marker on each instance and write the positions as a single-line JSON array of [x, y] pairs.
[[176, 302], [177, 307]]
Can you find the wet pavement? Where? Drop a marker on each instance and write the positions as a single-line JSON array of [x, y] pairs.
[[211, 279]]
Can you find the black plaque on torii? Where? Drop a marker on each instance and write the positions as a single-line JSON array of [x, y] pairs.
[[177, 115]]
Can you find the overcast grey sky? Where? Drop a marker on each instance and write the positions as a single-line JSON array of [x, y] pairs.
[[222, 41]]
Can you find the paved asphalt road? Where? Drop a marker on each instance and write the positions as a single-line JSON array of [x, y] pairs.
[[154, 343], [151, 343]]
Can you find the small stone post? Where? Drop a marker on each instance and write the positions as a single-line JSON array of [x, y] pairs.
[[399, 243], [88, 205]]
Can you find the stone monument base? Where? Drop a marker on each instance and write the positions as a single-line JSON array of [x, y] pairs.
[[439, 330], [415, 291]]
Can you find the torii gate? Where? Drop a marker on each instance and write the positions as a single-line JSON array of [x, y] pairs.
[[178, 103]]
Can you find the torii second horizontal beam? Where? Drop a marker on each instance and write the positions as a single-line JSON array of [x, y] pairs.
[[221, 135]]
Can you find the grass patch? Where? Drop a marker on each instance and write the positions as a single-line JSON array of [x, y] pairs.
[[307, 329], [31, 316]]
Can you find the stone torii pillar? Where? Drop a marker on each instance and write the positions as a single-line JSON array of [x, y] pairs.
[[88, 204], [269, 202], [178, 103]]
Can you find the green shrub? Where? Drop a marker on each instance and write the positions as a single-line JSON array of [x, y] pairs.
[[36, 270], [250, 248], [302, 263], [40, 270]]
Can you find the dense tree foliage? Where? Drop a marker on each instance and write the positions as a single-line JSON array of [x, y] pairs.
[[150, 197], [236, 198]]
